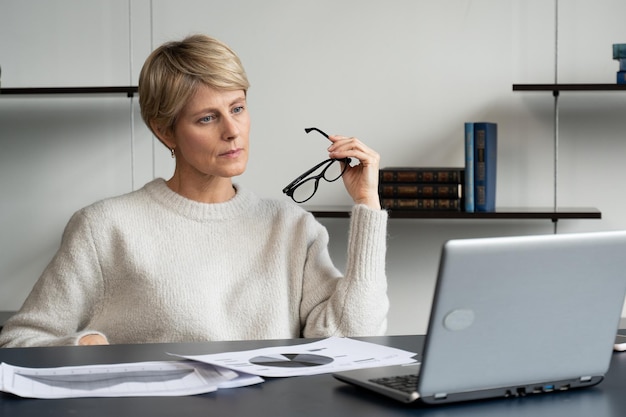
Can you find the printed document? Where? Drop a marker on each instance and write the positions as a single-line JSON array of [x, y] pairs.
[[334, 354], [138, 379]]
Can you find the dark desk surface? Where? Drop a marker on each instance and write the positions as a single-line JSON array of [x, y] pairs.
[[315, 396]]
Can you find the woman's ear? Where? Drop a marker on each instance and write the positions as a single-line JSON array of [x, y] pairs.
[[164, 134]]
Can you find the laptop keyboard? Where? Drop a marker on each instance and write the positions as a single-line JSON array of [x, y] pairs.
[[404, 383]]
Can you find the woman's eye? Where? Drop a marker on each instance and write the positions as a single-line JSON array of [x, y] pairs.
[[207, 119]]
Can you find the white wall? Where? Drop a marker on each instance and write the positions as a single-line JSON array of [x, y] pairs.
[[402, 75]]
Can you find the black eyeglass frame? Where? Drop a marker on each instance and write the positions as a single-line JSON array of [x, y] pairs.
[[293, 185]]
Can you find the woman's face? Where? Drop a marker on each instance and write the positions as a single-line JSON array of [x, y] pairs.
[[210, 136]]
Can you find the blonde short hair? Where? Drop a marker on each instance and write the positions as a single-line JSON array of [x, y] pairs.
[[174, 70]]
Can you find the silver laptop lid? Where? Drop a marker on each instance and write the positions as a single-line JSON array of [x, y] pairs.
[[523, 310]]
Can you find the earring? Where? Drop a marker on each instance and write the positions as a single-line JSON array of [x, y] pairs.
[[173, 154]]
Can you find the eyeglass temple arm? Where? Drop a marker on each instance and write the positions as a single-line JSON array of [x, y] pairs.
[[309, 129]]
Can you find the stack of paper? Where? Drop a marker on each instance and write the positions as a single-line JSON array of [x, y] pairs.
[[120, 380], [325, 356], [198, 374]]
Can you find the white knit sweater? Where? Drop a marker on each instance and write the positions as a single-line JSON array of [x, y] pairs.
[[153, 266]]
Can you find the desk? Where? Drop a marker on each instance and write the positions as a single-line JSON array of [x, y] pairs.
[[315, 396]]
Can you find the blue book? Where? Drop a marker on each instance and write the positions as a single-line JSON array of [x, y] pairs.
[[621, 77], [485, 166], [468, 188]]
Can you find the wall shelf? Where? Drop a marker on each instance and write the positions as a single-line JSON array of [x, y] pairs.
[[130, 91], [501, 213], [555, 88]]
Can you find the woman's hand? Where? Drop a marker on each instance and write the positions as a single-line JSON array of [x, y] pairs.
[[92, 339], [361, 180]]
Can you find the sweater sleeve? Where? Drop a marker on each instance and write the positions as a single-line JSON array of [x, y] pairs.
[[357, 303], [61, 303]]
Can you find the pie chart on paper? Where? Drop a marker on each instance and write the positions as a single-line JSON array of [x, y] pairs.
[[291, 360]]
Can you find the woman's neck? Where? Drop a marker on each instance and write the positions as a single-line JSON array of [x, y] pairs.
[[203, 190]]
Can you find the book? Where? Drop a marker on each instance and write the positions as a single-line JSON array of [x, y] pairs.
[[621, 77], [422, 204], [622, 64], [485, 166], [419, 190], [421, 175], [619, 50], [468, 190]]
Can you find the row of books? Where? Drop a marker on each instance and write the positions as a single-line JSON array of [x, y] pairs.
[[619, 54], [421, 188], [470, 188]]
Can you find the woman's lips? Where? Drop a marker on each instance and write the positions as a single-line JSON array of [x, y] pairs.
[[232, 153]]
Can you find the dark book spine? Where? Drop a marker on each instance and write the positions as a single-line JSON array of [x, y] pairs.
[[422, 175], [409, 190], [485, 159], [422, 204], [468, 190]]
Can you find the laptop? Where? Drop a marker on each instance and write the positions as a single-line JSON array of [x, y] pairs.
[[514, 316]]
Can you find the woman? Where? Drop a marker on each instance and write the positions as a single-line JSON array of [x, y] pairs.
[[197, 257]]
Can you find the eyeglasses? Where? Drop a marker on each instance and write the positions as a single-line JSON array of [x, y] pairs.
[[304, 187]]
